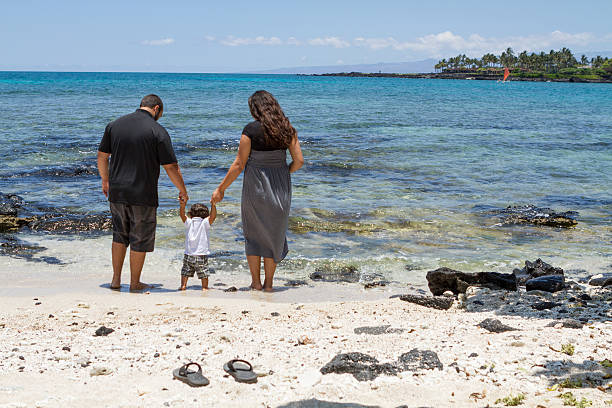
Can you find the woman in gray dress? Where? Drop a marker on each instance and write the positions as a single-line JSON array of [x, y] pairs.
[[266, 188]]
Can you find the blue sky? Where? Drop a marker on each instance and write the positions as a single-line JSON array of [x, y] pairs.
[[238, 36]]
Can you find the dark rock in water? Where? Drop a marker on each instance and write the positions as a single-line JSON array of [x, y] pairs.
[[436, 302], [552, 283], [602, 279], [104, 331], [231, 289], [10, 204], [377, 330], [416, 360], [11, 223], [586, 296], [495, 326], [530, 214], [545, 305], [72, 223], [535, 270], [362, 366], [329, 274], [443, 279], [295, 283]]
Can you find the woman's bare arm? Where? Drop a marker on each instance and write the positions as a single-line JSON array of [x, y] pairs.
[[296, 155], [244, 150]]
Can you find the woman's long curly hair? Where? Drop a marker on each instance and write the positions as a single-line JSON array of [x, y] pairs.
[[276, 126]]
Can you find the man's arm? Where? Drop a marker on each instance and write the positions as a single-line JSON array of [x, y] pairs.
[[174, 173], [103, 170], [213, 213]]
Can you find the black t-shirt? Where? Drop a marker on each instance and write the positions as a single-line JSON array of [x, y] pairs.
[[254, 131], [138, 145]]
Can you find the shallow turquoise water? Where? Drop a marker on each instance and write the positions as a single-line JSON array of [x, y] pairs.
[[419, 160]]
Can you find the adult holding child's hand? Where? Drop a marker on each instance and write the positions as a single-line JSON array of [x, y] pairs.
[[266, 188]]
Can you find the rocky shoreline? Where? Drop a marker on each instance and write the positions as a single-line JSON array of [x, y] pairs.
[[466, 76]]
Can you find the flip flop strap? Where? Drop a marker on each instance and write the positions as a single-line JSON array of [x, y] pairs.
[[230, 365], [183, 369]]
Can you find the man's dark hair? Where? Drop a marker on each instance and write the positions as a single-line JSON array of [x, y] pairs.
[[198, 210], [150, 101]]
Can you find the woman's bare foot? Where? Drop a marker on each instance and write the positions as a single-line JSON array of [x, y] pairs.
[[256, 286], [269, 290], [139, 287], [182, 288]]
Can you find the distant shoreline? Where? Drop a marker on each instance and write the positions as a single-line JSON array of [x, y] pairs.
[[464, 76]]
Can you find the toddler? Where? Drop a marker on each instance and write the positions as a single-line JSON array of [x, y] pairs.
[[197, 225]]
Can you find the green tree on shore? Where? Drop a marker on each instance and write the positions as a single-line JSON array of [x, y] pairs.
[[550, 63]]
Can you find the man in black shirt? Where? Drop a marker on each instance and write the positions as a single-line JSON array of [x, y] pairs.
[[137, 145]]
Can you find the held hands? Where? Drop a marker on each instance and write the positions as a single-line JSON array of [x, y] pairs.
[[183, 197], [217, 196]]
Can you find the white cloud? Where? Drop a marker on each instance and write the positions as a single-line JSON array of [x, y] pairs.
[[164, 41], [293, 41], [445, 42], [329, 41], [232, 41], [209, 38]]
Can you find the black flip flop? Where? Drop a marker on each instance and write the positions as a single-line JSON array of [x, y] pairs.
[[193, 378], [242, 371]]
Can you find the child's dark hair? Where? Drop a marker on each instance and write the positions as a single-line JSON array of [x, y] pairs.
[[198, 210]]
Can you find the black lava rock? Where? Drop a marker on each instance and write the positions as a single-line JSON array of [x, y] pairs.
[[495, 326], [376, 330], [416, 360], [348, 274], [366, 368], [443, 279], [435, 302], [535, 270], [103, 331], [231, 289], [545, 305], [552, 283]]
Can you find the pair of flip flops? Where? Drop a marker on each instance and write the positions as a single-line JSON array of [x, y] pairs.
[[241, 370]]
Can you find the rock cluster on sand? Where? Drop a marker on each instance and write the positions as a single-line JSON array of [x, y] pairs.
[[366, 368]]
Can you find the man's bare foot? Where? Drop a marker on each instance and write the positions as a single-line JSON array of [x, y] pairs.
[[268, 290], [182, 288], [256, 286], [204, 287], [139, 287]]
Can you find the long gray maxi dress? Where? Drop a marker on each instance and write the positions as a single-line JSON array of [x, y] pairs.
[[266, 199]]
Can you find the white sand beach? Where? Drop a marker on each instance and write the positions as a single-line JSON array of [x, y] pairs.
[[51, 358]]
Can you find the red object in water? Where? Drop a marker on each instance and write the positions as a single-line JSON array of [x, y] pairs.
[[506, 74]]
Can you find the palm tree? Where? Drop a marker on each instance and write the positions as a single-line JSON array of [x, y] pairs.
[[584, 60]]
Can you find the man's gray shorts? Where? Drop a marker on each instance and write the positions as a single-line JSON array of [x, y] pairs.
[[134, 225], [195, 263]]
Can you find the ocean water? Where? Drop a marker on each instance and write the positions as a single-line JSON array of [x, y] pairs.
[[399, 174]]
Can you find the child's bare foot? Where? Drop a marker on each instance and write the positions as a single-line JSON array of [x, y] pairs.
[[182, 288], [268, 290]]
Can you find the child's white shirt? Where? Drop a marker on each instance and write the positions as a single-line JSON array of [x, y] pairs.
[[196, 236]]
